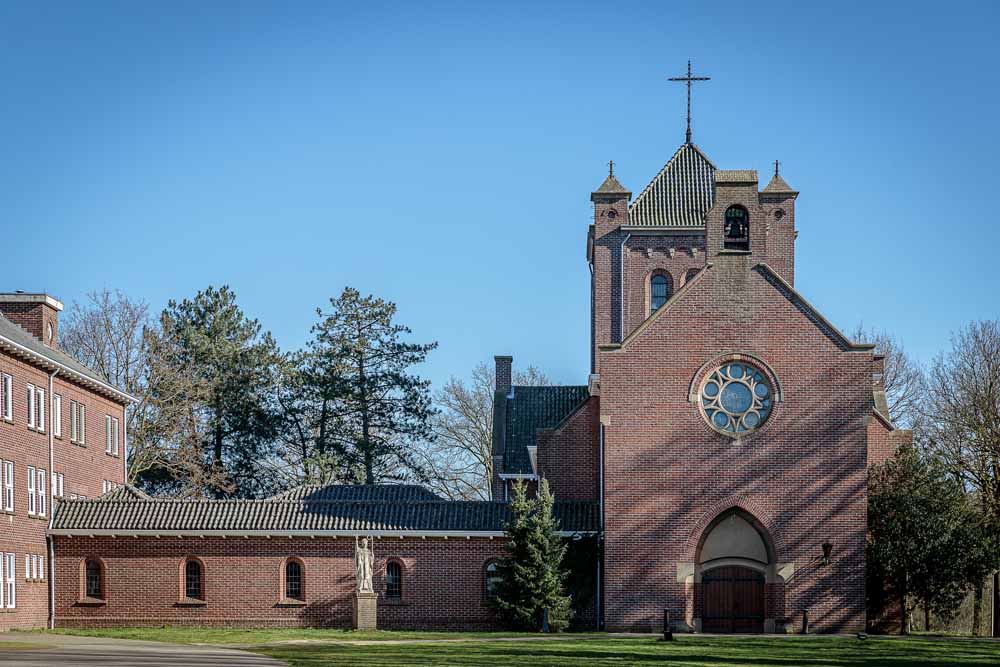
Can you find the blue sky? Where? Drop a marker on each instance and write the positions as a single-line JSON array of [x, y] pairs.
[[442, 155]]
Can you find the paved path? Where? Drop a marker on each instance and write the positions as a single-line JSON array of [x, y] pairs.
[[38, 650]]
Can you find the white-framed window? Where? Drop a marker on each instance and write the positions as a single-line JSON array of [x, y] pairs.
[[11, 600], [114, 436], [83, 425], [73, 424], [27, 567], [40, 406], [104, 486], [42, 501], [57, 415], [6, 393], [8, 486], [107, 434], [58, 485], [31, 490], [41, 568], [31, 406]]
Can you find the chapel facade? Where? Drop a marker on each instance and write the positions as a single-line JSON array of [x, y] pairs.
[[712, 467]]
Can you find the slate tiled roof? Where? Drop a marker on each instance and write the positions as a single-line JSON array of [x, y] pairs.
[[281, 517], [19, 337], [530, 409], [680, 195], [778, 186], [611, 186]]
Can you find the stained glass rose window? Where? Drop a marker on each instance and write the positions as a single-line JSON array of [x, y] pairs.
[[736, 398]]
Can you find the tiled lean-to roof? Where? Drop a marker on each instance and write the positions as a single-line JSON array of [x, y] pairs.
[[124, 514], [360, 492], [529, 409], [680, 195]]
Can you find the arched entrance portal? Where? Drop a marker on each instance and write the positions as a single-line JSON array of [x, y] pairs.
[[735, 561]]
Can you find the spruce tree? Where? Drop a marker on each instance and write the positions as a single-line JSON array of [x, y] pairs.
[[532, 578]]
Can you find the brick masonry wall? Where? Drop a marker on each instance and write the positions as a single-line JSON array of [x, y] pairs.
[[568, 456], [83, 467], [442, 582], [644, 255], [667, 474]]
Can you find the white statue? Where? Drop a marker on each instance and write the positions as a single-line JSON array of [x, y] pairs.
[[363, 565]]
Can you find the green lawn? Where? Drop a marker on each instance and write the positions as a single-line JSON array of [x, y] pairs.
[[182, 635], [686, 650]]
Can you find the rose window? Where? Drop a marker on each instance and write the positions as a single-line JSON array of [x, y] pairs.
[[736, 398]]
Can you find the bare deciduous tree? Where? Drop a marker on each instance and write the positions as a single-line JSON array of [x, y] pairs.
[[108, 333], [904, 378], [963, 417], [459, 463]]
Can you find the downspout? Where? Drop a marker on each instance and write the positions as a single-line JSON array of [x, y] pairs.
[[52, 499], [125, 444], [600, 560]]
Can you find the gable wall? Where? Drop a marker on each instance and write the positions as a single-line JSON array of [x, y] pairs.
[[568, 455], [666, 472], [644, 254]]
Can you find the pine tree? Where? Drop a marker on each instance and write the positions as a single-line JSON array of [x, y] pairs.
[[532, 578], [369, 407]]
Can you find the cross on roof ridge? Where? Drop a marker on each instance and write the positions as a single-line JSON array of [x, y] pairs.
[[688, 79]]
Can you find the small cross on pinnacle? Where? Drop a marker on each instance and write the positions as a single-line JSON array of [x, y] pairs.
[[776, 163], [688, 79], [611, 167]]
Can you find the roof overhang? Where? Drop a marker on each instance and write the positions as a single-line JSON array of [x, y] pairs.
[[51, 365]]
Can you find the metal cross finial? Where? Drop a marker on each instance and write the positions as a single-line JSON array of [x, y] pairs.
[[776, 163], [611, 167], [688, 79]]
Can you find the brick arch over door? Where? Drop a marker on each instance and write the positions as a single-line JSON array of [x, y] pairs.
[[752, 510]]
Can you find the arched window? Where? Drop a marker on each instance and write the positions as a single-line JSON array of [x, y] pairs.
[[192, 580], [393, 580], [491, 579], [94, 579], [659, 291], [293, 580], [737, 229], [691, 273]]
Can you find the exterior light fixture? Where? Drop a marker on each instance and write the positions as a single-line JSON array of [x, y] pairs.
[[827, 550]]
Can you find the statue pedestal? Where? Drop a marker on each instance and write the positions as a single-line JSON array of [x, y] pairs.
[[365, 610]]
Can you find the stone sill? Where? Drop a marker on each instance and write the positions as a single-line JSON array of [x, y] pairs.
[[290, 602], [91, 602], [190, 602], [735, 252]]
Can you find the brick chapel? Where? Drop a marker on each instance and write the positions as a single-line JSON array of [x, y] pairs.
[[713, 466]]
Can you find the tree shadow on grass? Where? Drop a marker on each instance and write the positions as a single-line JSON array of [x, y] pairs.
[[692, 652]]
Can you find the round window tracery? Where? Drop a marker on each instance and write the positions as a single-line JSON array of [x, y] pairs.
[[736, 398]]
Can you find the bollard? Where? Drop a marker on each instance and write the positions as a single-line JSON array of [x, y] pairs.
[[805, 621], [668, 636]]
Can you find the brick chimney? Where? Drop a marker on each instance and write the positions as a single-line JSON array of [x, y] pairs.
[[38, 314], [504, 365]]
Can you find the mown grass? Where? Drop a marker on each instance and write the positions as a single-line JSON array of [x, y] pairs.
[[690, 651], [185, 635]]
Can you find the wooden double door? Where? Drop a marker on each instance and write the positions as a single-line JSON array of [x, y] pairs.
[[733, 600]]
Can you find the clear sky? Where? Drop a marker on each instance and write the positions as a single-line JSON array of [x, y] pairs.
[[442, 155]]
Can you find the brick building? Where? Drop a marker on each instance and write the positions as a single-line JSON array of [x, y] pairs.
[[62, 435], [717, 453]]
